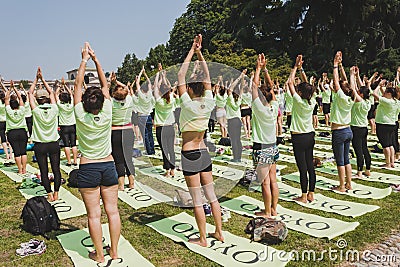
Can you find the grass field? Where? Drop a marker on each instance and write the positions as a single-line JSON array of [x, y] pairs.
[[374, 228]]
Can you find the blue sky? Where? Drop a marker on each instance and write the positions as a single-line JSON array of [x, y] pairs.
[[49, 33]]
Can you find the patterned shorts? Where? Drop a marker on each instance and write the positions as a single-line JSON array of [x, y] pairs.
[[268, 155]]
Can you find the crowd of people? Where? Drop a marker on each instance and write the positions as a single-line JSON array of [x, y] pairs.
[[107, 120]]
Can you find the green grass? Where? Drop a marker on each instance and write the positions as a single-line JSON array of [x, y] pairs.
[[161, 251]]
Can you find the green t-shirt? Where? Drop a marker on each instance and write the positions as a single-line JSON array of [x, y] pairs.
[[302, 119], [326, 95], [164, 112], [247, 98], [28, 111], [94, 131], [288, 101], [233, 107], [15, 118], [44, 128], [263, 122], [195, 113], [145, 103], [359, 113], [66, 116], [2, 111], [341, 108], [387, 111], [122, 111], [220, 101]]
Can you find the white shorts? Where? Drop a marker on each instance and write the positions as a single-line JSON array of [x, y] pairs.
[[221, 112]]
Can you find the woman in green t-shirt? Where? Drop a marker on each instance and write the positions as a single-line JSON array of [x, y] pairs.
[[233, 115], [97, 175], [164, 120], [302, 131], [197, 103], [66, 121], [16, 127], [265, 152], [386, 117], [45, 135], [221, 97], [3, 137]]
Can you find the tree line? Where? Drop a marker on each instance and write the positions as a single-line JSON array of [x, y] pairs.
[[235, 31]]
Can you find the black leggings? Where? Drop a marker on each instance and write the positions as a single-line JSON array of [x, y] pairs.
[[289, 120], [53, 150], [18, 140], [303, 146], [165, 138], [122, 151], [68, 135], [29, 124], [396, 144], [234, 128], [360, 147], [3, 131]]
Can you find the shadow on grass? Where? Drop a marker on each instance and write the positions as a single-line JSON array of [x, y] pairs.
[[64, 229], [143, 218]]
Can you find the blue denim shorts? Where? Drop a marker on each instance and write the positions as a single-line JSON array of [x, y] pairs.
[[92, 175], [341, 139]]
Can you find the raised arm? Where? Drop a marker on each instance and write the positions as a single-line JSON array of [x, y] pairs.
[[138, 79], [17, 92], [149, 85], [256, 81], [203, 65], [31, 92], [46, 85], [336, 61], [303, 75], [292, 76], [342, 72], [353, 85], [359, 81], [80, 75], [235, 82], [267, 78], [100, 73], [185, 66], [157, 86]]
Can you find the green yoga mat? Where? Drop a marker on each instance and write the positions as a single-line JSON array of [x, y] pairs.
[[234, 251], [141, 196], [67, 206], [78, 244], [12, 172], [375, 176], [321, 202], [358, 191], [309, 224]]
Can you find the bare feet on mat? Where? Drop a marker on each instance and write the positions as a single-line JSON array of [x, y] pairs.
[[262, 213], [310, 196], [197, 241], [300, 199], [55, 196], [273, 212], [93, 255], [348, 186], [217, 236], [50, 197], [338, 188]]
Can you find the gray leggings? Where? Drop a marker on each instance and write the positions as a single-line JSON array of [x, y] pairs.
[[234, 128]]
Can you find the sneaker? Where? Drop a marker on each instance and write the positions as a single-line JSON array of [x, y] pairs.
[[32, 242], [32, 249]]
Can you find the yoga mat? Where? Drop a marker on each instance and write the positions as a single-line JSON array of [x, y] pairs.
[[375, 176], [321, 202], [141, 196], [309, 224], [78, 244], [227, 160], [287, 158], [358, 191], [234, 251], [378, 165], [12, 172], [68, 169], [157, 172], [67, 206]]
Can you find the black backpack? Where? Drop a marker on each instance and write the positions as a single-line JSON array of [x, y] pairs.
[[39, 217], [224, 141], [269, 231]]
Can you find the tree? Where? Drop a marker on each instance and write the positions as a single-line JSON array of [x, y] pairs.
[[131, 66]]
